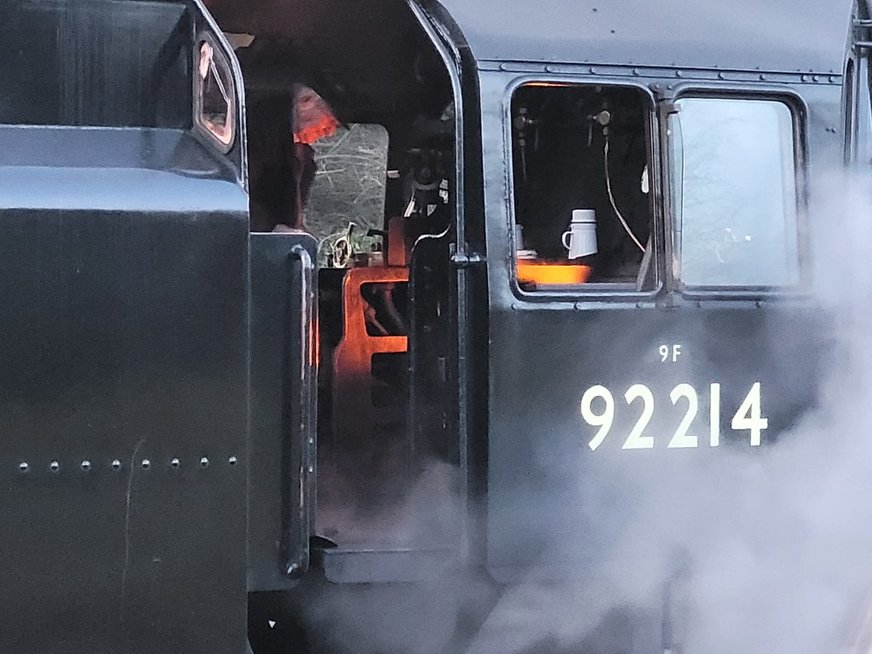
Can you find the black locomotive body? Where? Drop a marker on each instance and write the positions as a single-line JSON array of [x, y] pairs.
[[316, 295]]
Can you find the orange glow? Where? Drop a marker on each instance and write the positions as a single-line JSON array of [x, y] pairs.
[[547, 85], [313, 118], [549, 273], [353, 383]]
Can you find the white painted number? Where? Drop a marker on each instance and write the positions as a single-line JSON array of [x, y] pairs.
[[636, 441], [715, 416], [682, 438], [669, 352], [603, 420], [748, 416]]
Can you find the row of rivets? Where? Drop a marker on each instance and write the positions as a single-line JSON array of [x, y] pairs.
[[621, 70], [86, 465]]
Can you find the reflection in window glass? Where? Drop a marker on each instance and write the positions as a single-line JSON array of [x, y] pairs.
[[858, 83], [215, 95], [349, 188], [734, 193]]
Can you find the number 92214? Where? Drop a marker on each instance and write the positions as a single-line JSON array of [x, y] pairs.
[[598, 410]]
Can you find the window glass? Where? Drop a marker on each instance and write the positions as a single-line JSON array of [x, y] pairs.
[[215, 96], [858, 86], [581, 188], [348, 193], [734, 193]]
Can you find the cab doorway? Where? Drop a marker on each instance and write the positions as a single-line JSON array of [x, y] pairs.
[[352, 139]]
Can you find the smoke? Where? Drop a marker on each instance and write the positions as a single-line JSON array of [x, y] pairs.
[[761, 551], [788, 570]]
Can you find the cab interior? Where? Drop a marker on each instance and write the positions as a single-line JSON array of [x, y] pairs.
[[351, 138], [582, 149]]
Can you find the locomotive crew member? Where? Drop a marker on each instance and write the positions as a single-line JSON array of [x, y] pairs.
[[282, 166]]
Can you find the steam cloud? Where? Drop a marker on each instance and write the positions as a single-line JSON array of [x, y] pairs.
[[774, 544]]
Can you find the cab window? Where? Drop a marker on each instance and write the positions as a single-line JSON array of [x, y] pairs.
[[582, 209], [858, 96], [214, 98], [346, 206], [734, 193]]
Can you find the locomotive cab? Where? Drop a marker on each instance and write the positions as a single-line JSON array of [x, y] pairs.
[[317, 295]]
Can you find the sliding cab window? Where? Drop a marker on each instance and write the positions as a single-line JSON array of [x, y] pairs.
[[734, 193], [582, 213], [214, 96], [858, 110]]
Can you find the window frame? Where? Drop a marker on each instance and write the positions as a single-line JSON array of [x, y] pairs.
[[589, 292], [224, 66], [850, 88], [799, 115]]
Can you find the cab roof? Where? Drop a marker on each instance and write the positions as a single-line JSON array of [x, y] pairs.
[[771, 35]]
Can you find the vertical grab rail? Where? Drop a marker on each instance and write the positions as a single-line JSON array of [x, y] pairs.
[[302, 467]]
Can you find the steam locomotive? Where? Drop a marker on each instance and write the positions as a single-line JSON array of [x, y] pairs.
[[305, 301]]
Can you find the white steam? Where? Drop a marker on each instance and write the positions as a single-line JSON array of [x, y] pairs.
[[776, 542]]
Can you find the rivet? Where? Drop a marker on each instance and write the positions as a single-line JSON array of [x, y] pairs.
[[232, 460], [833, 79], [146, 464], [721, 76], [86, 465], [762, 77], [816, 78], [23, 466], [636, 72], [804, 78], [204, 462], [175, 463], [54, 466], [678, 73], [116, 464]]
